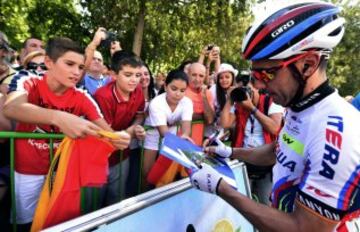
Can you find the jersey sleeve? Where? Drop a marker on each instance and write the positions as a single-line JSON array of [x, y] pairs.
[[24, 81], [330, 184], [187, 110], [157, 114], [275, 108]]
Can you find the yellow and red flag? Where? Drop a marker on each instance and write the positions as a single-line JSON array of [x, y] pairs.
[[77, 163]]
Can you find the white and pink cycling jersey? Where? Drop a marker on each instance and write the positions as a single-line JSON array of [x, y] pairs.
[[318, 157]]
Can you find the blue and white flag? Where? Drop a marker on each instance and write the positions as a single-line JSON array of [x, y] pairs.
[[190, 156]]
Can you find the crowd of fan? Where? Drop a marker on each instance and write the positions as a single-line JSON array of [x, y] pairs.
[[128, 98]]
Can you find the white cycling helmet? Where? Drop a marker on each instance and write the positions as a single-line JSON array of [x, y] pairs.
[[292, 29]]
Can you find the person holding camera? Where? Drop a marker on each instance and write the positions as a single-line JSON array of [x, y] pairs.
[[225, 81], [212, 53], [257, 120], [94, 64]]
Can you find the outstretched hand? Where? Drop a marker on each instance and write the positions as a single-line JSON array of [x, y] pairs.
[[74, 126]]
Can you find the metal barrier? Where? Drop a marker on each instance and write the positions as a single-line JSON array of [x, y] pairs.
[[51, 137], [168, 208], [19, 135]]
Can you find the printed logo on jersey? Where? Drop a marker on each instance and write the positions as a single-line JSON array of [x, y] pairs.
[[320, 207], [293, 125], [317, 192], [333, 135], [294, 144]]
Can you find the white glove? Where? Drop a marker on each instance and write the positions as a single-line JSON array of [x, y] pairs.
[[206, 179], [222, 150]]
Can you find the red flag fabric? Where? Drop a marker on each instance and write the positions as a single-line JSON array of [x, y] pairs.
[[77, 163]]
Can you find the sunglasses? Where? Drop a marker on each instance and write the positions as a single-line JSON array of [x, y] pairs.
[[268, 74], [34, 66]]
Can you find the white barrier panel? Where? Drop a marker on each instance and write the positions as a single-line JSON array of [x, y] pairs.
[[175, 207]]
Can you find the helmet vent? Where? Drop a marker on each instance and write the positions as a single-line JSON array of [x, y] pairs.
[[336, 31]]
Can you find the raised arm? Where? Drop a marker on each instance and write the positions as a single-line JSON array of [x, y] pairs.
[[209, 113], [90, 49], [5, 124]]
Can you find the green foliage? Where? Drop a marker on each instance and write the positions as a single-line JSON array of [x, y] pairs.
[[344, 65], [20, 19], [174, 30]]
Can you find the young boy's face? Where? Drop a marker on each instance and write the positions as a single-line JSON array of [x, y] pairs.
[[127, 79], [67, 70]]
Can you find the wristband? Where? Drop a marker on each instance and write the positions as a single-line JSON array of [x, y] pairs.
[[253, 111]]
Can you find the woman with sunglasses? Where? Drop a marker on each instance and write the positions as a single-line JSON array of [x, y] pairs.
[[316, 177], [34, 62]]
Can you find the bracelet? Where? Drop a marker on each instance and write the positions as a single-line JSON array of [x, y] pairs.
[[253, 111]]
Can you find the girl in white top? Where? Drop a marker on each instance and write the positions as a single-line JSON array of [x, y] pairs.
[[225, 79], [165, 112]]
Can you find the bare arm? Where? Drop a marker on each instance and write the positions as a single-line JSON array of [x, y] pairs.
[[217, 59], [90, 49], [262, 156], [17, 108], [271, 123], [136, 129], [227, 118], [204, 52], [186, 128], [162, 130], [5, 124], [266, 218], [209, 114]]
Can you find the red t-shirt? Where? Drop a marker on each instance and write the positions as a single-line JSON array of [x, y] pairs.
[[119, 113], [32, 156]]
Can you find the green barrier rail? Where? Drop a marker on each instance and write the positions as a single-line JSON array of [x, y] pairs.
[[51, 137], [20, 135]]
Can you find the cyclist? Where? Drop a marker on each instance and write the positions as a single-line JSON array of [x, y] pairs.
[[316, 176]]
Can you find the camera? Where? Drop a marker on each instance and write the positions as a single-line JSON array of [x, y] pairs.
[[241, 94], [210, 46], [109, 38]]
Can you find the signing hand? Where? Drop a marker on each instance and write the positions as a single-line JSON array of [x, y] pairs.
[[221, 149]]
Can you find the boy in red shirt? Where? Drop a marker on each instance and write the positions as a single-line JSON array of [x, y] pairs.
[[122, 102], [50, 104]]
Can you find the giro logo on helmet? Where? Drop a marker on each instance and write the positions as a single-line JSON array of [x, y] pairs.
[[283, 28]]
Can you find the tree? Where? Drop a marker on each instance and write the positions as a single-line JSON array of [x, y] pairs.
[[173, 30], [344, 65]]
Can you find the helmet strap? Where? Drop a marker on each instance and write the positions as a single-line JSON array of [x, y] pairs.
[[301, 81]]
